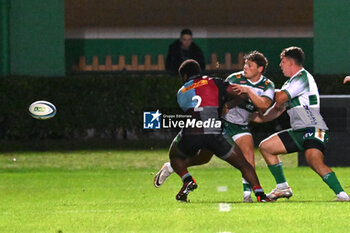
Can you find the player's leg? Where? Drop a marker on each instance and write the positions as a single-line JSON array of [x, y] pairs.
[[203, 156], [179, 166], [240, 135], [315, 158], [232, 155], [166, 170], [246, 145], [270, 148], [182, 147]]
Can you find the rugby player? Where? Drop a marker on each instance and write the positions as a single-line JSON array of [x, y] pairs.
[[260, 91], [300, 98], [203, 98]]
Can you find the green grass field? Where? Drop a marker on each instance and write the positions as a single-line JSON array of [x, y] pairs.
[[112, 191]]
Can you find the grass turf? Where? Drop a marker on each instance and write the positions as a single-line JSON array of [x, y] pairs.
[[112, 191]]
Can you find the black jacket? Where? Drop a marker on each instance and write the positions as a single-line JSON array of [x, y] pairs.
[[176, 56]]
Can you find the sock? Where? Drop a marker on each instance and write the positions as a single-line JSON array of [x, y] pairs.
[[259, 193], [186, 177], [246, 187], [283, 185], [170, 168], [277, 172], [332, 181], [343, 195], [247, 193], [258, 189]]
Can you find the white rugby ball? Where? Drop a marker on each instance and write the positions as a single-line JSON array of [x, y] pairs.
[[42, 110]]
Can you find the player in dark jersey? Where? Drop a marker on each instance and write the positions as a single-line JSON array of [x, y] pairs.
[[203, 97]]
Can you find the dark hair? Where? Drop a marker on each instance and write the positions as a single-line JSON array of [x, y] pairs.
[[186, 31], [258, 58], [296, 53], [189, 67]]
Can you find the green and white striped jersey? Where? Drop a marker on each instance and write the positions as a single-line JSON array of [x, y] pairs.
[[303, 106], [240, 115]]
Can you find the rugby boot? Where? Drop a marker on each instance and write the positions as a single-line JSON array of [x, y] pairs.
[[185, 190]]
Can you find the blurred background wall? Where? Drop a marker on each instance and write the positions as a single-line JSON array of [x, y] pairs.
[[123, 27], [32, 37], [46, 37], [331, 36]]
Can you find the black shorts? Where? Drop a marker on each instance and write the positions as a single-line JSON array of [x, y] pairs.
[[190, 144]]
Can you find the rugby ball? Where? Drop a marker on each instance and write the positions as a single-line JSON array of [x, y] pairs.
[[42, 110]]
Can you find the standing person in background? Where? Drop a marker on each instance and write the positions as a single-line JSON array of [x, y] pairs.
[[183, 49]]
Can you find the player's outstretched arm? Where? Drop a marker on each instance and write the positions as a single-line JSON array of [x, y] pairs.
[[261, 102], [275, 111]]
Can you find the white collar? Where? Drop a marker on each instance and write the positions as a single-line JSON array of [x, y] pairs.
[[254, 83]]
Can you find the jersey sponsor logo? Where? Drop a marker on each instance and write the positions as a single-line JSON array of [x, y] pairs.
[[262, 87], [267, 82], [308, 134], [249, 107], [311, 116], [259, 92], [238, 76], [320, 134], [195, 85], [242, 81]]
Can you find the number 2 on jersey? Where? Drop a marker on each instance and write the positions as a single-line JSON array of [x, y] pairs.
[[199, 101]]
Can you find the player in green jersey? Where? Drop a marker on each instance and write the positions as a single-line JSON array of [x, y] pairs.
[[260, 91], [300, 98]]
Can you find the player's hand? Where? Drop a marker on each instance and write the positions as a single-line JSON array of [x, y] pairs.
[[239, 89], [346, 79]]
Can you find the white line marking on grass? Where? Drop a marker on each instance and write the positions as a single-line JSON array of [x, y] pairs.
[[224, 207], [222, 188]]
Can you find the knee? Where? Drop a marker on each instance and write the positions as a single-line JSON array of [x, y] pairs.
[[313, 157], [204, 156], [206, 159], [263, 146]]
